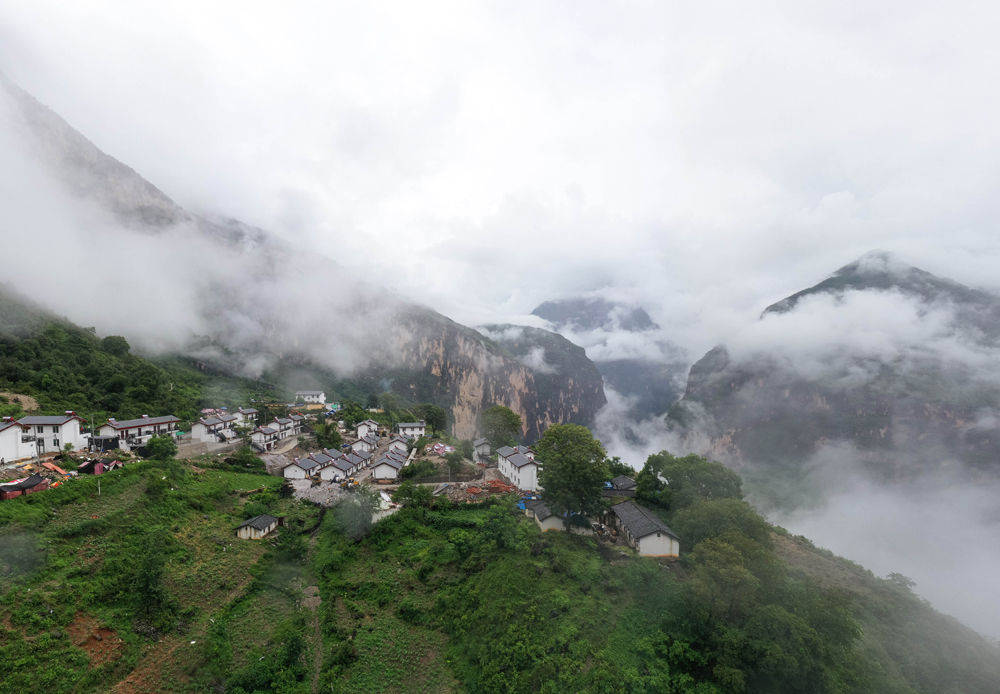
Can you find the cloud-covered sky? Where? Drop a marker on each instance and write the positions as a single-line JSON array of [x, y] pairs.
[[704, 159]]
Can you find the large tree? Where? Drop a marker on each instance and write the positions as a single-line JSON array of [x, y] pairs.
[[501, 426], [435, 416], [573, 468]]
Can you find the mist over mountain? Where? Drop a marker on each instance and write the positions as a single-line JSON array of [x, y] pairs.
[[229, 294], [860, 408], [881, 355], [629, 349]]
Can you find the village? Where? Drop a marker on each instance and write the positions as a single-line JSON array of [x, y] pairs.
[[372, 456]]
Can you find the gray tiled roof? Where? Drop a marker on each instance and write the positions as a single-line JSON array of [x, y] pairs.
[[403, 425], [398, 464], [640, 521], [623, 482], [46, 419], [505, 451], [261, 522], [519, 460], [306, 464], [342, 464], [479, 442], [267, 430], [542, 511], [142, 422]]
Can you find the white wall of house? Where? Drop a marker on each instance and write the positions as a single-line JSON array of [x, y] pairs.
[[54, 437], [331, 474], [658, 545], [11, 446], [294, 472], [385, 471], [415, 432], [249, 533], [302, 396], [527, 477], [398, 446], [365, 429]]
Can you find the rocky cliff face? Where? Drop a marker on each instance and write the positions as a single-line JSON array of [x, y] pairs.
[[244, 301], [907, 397], [566, 382]]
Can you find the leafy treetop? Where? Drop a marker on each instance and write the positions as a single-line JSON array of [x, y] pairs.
[[501, 426], [572, 471]]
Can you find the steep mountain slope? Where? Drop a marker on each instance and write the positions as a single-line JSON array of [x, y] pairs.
[[562, 372], [628, 348], [888, 358], [66, 367], [232, 296]]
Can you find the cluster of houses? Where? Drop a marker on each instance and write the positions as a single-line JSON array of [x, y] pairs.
[[331, 465], [328, 465], [266, 437], [220, 426]]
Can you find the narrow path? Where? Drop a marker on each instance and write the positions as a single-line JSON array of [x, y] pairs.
[[311, 600]]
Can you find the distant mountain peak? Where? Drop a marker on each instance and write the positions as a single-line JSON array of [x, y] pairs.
[[881, 270], [594, 313]]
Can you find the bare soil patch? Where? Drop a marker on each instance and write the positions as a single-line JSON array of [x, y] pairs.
[[27, 403], [101, 644]]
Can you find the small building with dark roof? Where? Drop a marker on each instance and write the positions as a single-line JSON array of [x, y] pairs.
[[299, 469], [257, 528], [644, 530], [481, 449]]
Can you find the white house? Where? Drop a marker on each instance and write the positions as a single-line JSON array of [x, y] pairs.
[[399, 443], [247, 416], [335, 470], [10, 440], [48, 433], [363, 446], [414, 429], [264, 438], [256, 527], [386, 469], [310, 396], [137, 432], [298, 421], [299, 469], [546, 520], [214, 429], [645, 531], [520, 470], [355, 461], [367, 427], [285, 427]]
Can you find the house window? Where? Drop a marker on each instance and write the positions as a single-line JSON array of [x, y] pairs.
[[40, 430], [55, 430]]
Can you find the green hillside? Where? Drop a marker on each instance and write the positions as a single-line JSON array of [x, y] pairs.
[[441, 598], [65, 367]]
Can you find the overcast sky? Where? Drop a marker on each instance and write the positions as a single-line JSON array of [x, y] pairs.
[[703, 158]]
